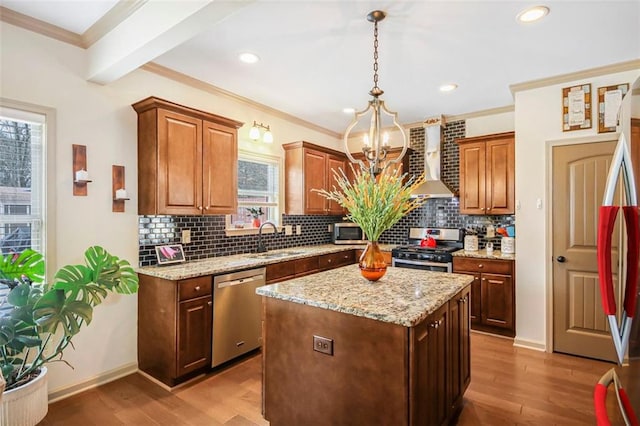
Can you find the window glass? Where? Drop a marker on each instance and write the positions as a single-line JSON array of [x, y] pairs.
[[21, 195], [258, 192]]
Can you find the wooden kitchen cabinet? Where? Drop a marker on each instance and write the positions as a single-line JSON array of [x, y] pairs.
[[187, 160], [289, 269], [487, 174], [492, 293], [460, 369], [307, 167], [174, 327]]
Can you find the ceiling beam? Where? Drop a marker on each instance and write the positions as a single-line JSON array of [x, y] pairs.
[[153, 29]]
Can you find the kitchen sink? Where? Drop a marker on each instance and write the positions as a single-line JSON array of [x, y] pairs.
[[276, 255]]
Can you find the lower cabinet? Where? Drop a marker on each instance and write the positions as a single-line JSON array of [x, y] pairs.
[[378, 373], [289, 269], [492, 293], [174, 327]]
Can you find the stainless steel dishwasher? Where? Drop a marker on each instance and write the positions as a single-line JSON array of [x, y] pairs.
[[237, 321]]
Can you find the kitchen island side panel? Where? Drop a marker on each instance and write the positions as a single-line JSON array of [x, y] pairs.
[[366, 378]]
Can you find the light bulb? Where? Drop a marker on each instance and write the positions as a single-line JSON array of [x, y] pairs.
[[385, 139], [254, 133], [366, 141], [267, 137]]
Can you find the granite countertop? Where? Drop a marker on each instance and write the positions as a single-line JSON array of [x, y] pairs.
[[403, 296], [482, 254], [224, 264]]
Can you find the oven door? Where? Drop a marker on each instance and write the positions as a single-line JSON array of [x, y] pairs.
[[422, 264]]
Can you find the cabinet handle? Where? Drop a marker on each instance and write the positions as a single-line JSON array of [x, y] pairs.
[[206, 208], [209, 303], [481, 266], [436, 324], [199, 207], [463, 300], [329, 261], [484, 279], [197, 288], [475, 279]]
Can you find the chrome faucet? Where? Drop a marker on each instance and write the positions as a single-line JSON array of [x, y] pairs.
[[261, 247]]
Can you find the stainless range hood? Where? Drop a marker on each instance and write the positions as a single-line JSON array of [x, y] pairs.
[[433, 187]]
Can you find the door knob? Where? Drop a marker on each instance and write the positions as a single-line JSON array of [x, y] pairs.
[[561, 259]]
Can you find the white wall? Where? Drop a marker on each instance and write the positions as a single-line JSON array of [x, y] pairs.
[[538, 120], [43, 71]]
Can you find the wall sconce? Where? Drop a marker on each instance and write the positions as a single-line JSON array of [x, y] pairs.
[[254, 133]]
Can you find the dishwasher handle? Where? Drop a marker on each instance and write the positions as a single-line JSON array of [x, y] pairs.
[[241, 281]]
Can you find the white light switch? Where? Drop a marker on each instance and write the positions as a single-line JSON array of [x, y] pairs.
[[298, 229], [186, 236], [288, 230], [539, 203]]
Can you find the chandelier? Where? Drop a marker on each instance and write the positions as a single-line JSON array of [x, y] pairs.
[[376, 145]]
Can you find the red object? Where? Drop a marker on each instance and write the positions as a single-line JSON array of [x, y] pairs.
[[428, 242], [607, 220], [633, 258]]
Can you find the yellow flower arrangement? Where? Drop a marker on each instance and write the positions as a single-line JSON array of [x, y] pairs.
[[375, 203]]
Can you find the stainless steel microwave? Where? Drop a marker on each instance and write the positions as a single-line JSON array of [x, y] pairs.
[[348, 233]]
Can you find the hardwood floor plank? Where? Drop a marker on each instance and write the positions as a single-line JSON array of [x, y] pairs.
[[509, 385]]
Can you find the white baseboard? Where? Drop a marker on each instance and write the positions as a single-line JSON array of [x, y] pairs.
[[93, 382], [529, 344]]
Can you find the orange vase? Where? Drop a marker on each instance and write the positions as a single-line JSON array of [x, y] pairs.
[[256, 222], [372, 263]]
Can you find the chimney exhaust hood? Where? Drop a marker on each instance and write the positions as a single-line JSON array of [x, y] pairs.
[[433, 186]]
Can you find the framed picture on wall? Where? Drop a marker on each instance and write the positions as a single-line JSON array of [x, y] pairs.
[[576, 107], [172, 253], [609, 101]]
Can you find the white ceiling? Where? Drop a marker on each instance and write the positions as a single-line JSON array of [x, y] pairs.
[[316, 56]]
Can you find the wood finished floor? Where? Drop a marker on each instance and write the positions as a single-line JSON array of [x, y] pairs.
[[509, 386]]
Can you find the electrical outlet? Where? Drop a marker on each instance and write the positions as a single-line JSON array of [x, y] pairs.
[[323, 344], [329, 228], [288, 230], [298, 229], [186, 236]]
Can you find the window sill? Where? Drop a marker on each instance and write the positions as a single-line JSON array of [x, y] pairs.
[[234, 232]]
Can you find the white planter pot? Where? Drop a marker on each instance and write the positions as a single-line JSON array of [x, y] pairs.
[[27, 404]]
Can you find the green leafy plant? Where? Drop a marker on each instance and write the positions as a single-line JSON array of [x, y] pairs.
[[38, 320], [255, 212], [375, 203]]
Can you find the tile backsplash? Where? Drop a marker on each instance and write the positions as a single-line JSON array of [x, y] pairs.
[[208, 237]]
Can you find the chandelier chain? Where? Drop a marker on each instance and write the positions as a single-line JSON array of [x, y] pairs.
[[375, 57]]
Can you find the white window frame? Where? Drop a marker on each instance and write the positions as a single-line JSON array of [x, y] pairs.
[[252, 156], [44, 180]]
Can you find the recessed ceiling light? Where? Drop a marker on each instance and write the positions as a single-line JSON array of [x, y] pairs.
[[449, 87], [348, 110], [532, 14], [249, 58]]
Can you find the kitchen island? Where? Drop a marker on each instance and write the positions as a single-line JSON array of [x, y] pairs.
[[338, 349]]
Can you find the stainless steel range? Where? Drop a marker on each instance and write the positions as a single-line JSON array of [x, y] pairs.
[[429, 249]]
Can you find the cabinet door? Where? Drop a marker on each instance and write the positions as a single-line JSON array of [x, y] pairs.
[[314, 178], [430, 369], [179, 164], [472, 178], [194, 334], [220, 169], [334, 163], [460, 369], [497, 300], [500, 174]]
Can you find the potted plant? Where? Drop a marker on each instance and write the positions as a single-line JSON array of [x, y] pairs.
[[38, 320], [255, 213], [375, 203]]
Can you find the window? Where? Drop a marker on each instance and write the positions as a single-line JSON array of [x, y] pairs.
[[21, 181], [258, 192]]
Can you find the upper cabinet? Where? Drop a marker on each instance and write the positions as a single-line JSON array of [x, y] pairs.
[[187, 160], [487, 174], [309, 166]]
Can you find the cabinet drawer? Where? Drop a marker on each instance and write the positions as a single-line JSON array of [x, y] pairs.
[[194, 287], [334, 260], [281, 270], [493, 266], [305, 266]]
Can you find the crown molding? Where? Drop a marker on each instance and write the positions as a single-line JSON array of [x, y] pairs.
[[116, 15], [465, 116], [206, 87], [579, 75], [37, 26]]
